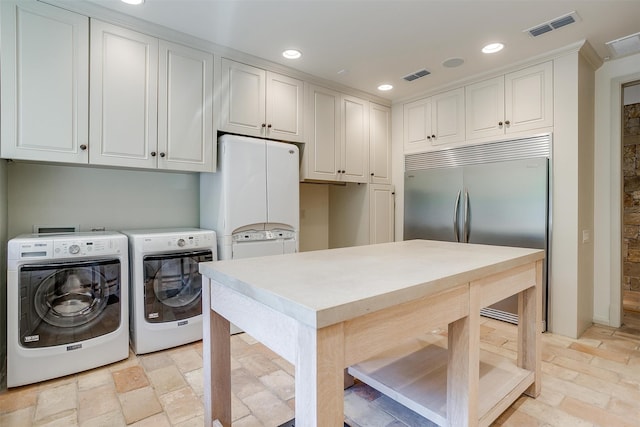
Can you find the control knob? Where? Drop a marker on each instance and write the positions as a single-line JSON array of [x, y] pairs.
[[74, 249], [181, 242]]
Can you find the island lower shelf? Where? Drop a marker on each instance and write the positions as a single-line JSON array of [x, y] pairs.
[[415, 375]]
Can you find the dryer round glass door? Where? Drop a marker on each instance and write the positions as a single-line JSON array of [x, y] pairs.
[[68, 302], [173, 286]]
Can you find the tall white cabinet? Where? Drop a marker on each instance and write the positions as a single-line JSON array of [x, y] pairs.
[[381, 213], [45, 83], [124, 97], [261, 103], [379, 144], [354, 140], [151, 102]]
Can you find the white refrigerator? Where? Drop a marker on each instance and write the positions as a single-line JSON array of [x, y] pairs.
[[252, 201]]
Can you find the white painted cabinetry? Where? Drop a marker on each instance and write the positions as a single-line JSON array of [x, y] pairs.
[[379, 144], [261, 103], [321, 153], [436, 120], [151, 102], [381, 213], [124, 97], [45, 83], [518, 101], [354, 140], [337, 145], [185, 111]]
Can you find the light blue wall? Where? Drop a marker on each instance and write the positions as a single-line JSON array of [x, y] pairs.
[[88, 197]]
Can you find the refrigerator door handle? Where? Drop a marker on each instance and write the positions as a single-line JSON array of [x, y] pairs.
[[455, 217], [466, 217]]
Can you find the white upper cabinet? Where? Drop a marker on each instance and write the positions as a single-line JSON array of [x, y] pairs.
[[354, 140], [519, 101], [185, 110], [447, 117], [151, 102], [379, 144], [45, 83], [337, 146], [261, 103], [124, 97], [321, 153], [436, 120]]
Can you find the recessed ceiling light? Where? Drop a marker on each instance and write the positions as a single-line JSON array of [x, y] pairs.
[[385, 87], [133, 1], [492, 48], [292, 54]]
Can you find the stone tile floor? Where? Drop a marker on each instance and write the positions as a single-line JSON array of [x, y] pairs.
[[591, 381]]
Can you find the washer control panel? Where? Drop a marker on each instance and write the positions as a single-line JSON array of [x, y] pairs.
[[68, 246], [178, 241]]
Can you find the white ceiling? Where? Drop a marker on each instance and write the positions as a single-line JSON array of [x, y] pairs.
[[382, 41]]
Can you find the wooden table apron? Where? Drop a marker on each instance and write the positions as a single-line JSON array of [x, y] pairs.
[[321, 355]]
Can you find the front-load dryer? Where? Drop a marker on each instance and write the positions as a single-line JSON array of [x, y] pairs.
[[67, 308], [166, 286]]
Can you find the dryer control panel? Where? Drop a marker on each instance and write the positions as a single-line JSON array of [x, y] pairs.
[[67, 246], [177, 241]]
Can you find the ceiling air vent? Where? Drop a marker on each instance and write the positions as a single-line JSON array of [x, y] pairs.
[[411, 77], [554, 24], [624, 46]]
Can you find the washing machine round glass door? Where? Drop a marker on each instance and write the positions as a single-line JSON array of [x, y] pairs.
[[173, 286], [63, 303]]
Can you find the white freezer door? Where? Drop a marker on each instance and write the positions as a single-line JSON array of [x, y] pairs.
[[245, 182], [283, 184]]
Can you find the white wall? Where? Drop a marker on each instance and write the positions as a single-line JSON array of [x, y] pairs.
[[348, 215], [608, 178], [89, 197]]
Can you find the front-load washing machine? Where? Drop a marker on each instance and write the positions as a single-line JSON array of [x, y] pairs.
[[67, 305], [166, 286]]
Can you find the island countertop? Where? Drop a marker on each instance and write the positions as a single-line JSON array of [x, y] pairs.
[[322, 288]]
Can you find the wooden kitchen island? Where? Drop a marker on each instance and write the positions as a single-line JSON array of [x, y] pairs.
[[366, 307]]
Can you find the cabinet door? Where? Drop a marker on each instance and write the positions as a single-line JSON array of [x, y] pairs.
[[123, 118], [484, 105], [285, 100], [45, 83], [242, 99], [354, 140], [381, 213], [321, 153], [185, 112], [529, 98], [380, 144], [417, 125], [447, 117]]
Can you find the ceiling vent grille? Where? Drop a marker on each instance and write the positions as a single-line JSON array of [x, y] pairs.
[[554, 24], [624, 46], [413, 76]]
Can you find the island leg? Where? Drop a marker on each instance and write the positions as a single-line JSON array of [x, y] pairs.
[[530, 330], [319, 377], [463, 367], [216, 362]]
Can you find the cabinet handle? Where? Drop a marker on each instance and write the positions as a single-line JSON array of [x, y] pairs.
[[371, 173], [428, 137], [269, 125], [499, 123], [433, 136], [83, 147], [153, 154], [162, 154], [264, 125], [507, 122]]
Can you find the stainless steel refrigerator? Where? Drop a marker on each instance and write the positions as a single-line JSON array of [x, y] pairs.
[[496, 194]]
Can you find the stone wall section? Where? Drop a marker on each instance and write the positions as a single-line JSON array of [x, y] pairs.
[[631, 200]]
